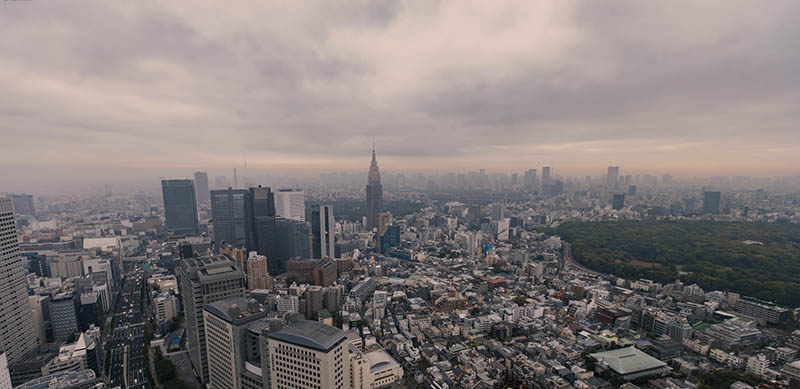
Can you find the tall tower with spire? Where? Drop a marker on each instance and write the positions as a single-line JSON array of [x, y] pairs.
[[374, 193]]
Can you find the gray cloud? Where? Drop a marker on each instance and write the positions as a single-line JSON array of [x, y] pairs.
[[453, 84]]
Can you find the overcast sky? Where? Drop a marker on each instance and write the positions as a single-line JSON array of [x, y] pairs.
[[685, 88]]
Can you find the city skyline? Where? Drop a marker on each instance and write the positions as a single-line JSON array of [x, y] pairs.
[[533, 83]]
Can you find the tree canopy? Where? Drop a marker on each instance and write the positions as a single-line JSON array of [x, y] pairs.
[[711, 254]]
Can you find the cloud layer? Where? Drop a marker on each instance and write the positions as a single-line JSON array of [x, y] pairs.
[[708, 87]]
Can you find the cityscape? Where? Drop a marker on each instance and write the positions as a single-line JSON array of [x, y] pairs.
[[399, 194]]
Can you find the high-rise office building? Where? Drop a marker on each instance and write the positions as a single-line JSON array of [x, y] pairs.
[[309, 354], [230, 343], [294, 239], [180, 207], [22, 204], [62, 316], [290, 204], [201, 187], [530, 180], [498, 211], [17, 336], [618, 201], [228, 216], [260, 228], [612, 179], [204, 280], [374, 194], [546, 175], [711, 201], [257, 272], [323, 232]]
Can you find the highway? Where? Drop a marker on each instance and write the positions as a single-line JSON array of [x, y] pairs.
[[128, 369]]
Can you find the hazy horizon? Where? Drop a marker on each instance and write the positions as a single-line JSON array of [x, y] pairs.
[[122, 92]]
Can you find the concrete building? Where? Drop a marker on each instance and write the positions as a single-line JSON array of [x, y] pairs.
[[5, 375], [323, 232], [62, 316], [290, 204], [257, 273], [165, 306], [295, 239], [260, 226], [372, 369], [65, 266], [229, 343], [309, 354], [17, 336], [711, 202], [37, 304], [22, 204], [374, 194], [761, 310], [629, 363], [205, 280], [612, 179], [180, 207]]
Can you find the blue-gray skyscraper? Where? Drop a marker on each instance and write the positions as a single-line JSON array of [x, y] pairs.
[[711, 202], [180, 207], [260, 225], [201, 187], [374, 193], [228, 215]]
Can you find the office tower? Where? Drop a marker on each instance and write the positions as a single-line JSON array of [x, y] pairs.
[[257, 272], [228, 217], [374, 194], [309, 354], [17, 336], [180, 207], [323, 231], [22, 204], [204, 280], [612, 179], [290, 204], [530, 180], [711, 202], [37, 304], [618, 201], [62, 316], [631, 190], [498, 211], [295, 240], [230, 343], [260, 229], [37, 263], [201, 187], [546, 175]]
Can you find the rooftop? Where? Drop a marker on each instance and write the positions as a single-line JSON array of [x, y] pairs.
[[310, 334], [627, 360]]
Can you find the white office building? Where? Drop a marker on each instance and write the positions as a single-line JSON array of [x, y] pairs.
[[290, 204]]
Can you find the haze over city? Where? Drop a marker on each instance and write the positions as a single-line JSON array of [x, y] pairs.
[[118, 90]]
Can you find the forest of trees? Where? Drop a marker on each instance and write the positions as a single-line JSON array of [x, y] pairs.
[[710, 254], [354, 210]]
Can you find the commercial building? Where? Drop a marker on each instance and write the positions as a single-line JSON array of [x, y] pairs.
[[323, 232], [260, 228], [205, 280], [228, 217], [180, 207], [618, 201], [201, 187], [5, 375], [63, 317], [612, 179], [373, 369], [257, 273], [290, 204], [229, 343], [166, 306], [629, 363], [711, 201], [530, 180], [294, 239], [22, 204], [761, 310], [309, 354], [374, 194]]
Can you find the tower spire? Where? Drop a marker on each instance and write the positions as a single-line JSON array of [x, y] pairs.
[[373, 151]]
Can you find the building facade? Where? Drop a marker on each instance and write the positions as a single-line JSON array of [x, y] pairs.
[[323, 232], [309, 354], [201, 187], [290, 204], [228, 217], [374, 194], [180, 207]]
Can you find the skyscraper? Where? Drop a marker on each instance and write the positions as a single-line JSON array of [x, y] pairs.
[[201, 187], [618, 201], [180, 207], [260, 228], [228, 216], [374, 193], [711, 201], [17, 336], [257, 272], [290, 204], [231, 344], [294, 239], [323, 231], [612, 179], [530, 180], [204, 280], [22, 204], [546, 175]]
